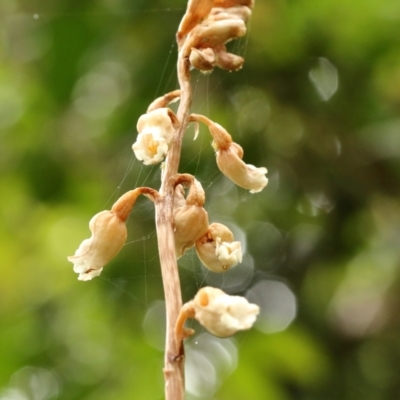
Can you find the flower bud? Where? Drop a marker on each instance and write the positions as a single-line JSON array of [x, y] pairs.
[[190, 219], [108, 236], [244, 175], [221, 314], [156, 130], [217, 250], [203, 59], [229, 158], [227, 61], [213, 33], [240, 12]]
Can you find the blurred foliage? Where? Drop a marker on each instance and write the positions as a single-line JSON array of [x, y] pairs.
[[317, 103]]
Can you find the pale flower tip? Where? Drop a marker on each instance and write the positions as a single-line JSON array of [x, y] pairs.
[[156, 129], [89, 275], [216, 249], [221, 314], [229, 254], [150, 148], [259, 180]]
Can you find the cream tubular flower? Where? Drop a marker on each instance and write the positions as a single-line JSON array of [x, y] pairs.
[[244, 175], [212, 33], [156, 130], [229, 158], [217, 250], [108, 236], [221, 314]]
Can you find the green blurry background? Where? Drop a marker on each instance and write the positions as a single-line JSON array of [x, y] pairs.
[[317, 103]]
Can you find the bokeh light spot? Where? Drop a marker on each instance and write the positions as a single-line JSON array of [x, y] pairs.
[[277, 303], [154, 323], [324, 77], [208, 360]]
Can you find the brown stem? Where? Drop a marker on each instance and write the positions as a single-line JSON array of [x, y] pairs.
[[174, 352]]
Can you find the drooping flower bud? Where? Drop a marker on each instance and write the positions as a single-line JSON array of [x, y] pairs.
[[217, 250], [156, 130], [241, 12], [227, 61], [229, 158], [212, 33], [244, 175], [207, 59], [108, 235], [190, 218], [203, 60], [221, 314]]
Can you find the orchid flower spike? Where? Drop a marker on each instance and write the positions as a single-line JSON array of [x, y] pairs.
[[156, 130], [217, 250], [108, 236], [221, 314]]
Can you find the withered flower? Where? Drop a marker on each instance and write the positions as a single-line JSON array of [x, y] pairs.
[[190, 218]]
